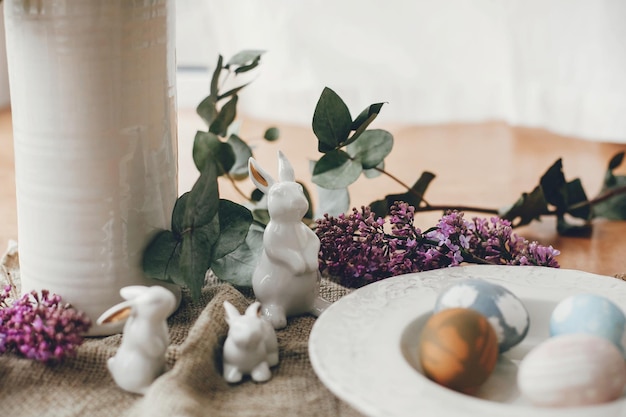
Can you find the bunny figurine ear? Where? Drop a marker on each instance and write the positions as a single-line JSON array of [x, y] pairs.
[[285, 170], [133, 291], [231, 311], [259, 177], [116, 314], [254, 309]]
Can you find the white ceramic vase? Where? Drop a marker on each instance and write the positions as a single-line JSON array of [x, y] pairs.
[[94, 118]]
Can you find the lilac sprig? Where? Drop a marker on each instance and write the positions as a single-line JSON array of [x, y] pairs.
[[359, 248], [40, 327]]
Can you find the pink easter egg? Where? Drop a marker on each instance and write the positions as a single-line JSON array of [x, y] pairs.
[[572, 370]]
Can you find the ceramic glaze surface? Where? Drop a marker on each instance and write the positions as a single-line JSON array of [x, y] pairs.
[[363, 347], [504, 310], [251, 347], [590, 314], [140, 359], [93, 104], [287, 278]]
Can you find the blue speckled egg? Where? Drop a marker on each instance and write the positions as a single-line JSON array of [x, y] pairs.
[[590, 314], [503, 309]]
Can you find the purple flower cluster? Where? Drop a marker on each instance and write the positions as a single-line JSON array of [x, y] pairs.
[[40, 326], [359, 248]]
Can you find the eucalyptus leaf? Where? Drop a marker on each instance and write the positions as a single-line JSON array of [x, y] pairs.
[[564, 228], [244, 57], [374, 172], [331, 121], [215, 78], [336, 170], [271, 134], [613, 208], [238, 266], [261, 216], [248, 67], [178, 214], [371, 147], [363, 120], [576, 196], [554, 186], [528, 207], [332, 202], [413, 197], [234, 221], [207, 109], [231, 92], [203, 201], [196, 255], [225, 117], [242, 152], [207, 146], [161, 257], [256, 195]]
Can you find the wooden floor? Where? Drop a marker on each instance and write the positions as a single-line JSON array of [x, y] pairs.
[[487, 164]]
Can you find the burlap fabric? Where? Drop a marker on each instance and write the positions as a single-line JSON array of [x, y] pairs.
[[193, 386]]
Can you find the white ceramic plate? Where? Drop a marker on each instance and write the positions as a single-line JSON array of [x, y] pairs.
[[363, 347]]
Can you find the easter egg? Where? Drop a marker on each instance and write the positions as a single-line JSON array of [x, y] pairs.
[[572, 370], [504, 310], [591, 314], [458, 349]]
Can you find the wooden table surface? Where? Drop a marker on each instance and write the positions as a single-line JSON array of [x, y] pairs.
[[486, 164]]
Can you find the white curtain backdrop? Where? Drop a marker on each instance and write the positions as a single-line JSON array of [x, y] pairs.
[[558, 64]]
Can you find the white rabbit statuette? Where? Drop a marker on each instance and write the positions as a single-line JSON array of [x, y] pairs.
[[140, 359], [251, 347], [286, 280]]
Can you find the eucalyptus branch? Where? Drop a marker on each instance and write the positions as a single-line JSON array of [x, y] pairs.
[[399, 181], [601, 198], [237, 189]]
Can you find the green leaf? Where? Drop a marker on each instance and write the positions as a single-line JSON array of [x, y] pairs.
[[554, 186], [178, 213], [336, 170], [256, 195], [196, 255], [231, 92], [234, 221], [215, 79], [202, 203], [363, 120], [576, 195], [161, 257], [413, 197], [331, 121], [207, 109], [207, 146], [613, 208], [374, 172], [564, 228], [261, 216], [371, 148], [271, 134], [529, 207], [238, 266], [244, 57], [242, 152], [225, 117]]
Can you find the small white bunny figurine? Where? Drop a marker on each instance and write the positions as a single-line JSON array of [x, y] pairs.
[[286, 280], [251, 347], [140, 358]]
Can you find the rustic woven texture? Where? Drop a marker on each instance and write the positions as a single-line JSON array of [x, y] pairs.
[[193, 386]]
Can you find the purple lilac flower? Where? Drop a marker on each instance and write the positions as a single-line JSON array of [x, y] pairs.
[[356, 248], [40, 327]]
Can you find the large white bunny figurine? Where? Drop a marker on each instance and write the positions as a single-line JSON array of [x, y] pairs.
[[140, 358], [286, 280], [251, 347]]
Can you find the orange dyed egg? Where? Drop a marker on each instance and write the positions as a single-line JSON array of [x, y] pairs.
[[458, 349]]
